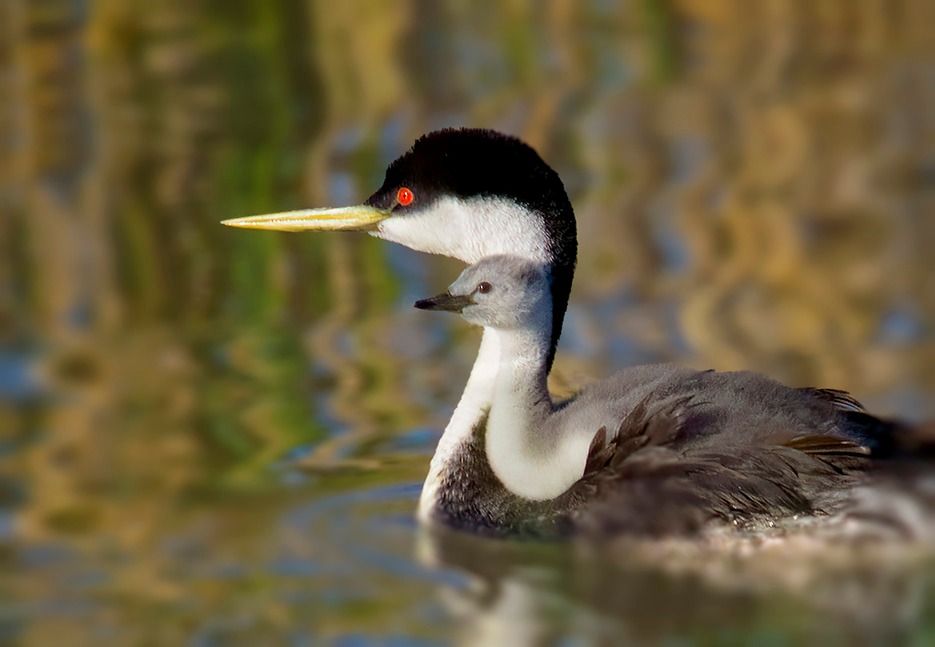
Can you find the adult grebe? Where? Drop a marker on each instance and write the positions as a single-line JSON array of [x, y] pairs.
[[473, 194]]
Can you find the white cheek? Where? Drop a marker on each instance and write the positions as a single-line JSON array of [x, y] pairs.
[[473, 317], [470, 230]]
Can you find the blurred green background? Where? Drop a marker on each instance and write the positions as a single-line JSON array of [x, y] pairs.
[[211, 436]]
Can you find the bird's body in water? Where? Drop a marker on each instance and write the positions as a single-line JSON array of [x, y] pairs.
[[655, 450]]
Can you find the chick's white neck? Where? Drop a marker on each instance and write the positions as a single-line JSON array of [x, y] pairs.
[[530, 454]]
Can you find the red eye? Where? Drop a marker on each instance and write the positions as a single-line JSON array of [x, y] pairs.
[[484, 287], [405, 196]]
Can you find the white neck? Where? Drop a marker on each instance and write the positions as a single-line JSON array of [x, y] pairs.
[[527, 450], [476, 399]]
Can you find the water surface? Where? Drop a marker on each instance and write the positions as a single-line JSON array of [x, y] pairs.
[[214, 437]]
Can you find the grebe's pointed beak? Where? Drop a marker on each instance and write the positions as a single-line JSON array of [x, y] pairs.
[[446, 302], [356, 218]]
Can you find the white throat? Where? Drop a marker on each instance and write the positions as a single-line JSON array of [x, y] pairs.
[[470, 229]]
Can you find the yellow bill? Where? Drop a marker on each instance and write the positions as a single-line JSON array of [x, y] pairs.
[[355, 218]]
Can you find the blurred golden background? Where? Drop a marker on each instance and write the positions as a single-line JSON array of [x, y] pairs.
[[197, 425]]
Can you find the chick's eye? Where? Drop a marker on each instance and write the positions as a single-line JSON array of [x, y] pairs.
[[484, 287], [405, 196]]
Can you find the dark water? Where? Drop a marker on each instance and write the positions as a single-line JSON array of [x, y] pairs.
[[217, 437]]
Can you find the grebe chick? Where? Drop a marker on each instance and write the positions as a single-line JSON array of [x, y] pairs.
[[654, 449]]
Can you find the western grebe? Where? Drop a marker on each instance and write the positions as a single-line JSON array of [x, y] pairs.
[[694, 446]]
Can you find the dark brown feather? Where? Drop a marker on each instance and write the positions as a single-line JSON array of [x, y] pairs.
[[840, 399], [827, 445]]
